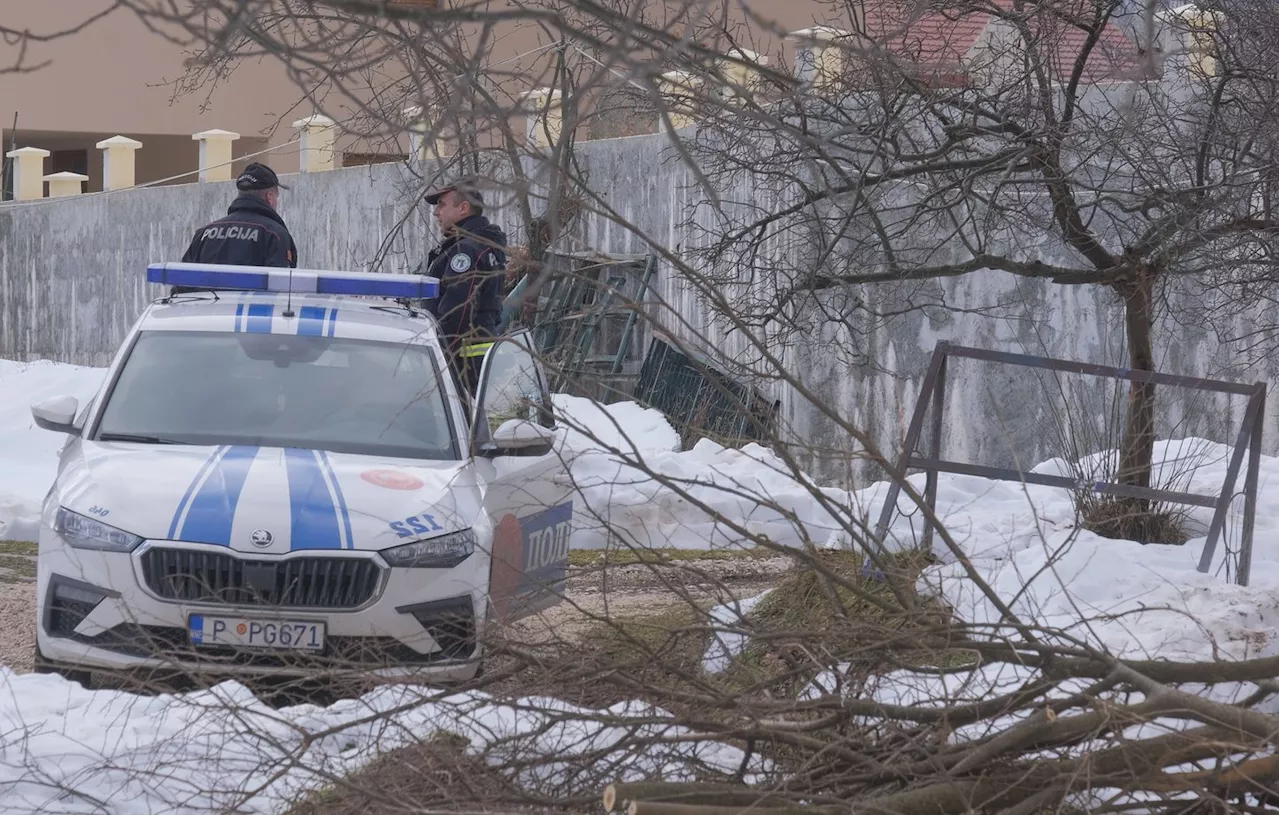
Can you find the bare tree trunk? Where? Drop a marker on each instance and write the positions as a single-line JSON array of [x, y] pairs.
[[1138, 443]]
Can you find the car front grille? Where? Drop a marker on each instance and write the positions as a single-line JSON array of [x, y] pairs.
[[301, 582]]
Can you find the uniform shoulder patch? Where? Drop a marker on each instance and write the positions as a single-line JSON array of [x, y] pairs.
[[460, 262]]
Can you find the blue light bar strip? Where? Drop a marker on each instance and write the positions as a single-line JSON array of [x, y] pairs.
[[300, 281]]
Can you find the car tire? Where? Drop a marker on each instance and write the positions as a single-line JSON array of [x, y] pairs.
[[41, 665]]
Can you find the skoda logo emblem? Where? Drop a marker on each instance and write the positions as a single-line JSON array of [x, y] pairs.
[[261, 537]]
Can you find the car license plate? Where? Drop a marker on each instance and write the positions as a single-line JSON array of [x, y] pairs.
[[247, 633]]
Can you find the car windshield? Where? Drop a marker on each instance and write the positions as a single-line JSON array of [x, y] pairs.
[[273, 390]]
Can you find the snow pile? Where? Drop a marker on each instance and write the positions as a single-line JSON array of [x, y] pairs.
[[727, 643], [1132, 600], [595, 428], [1121, 597], [638, 489], [222, 750], [29, 455]]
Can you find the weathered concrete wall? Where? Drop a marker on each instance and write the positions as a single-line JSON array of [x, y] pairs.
[[71, 282], [72, 270]]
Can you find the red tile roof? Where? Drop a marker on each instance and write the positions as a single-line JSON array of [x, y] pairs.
[[940, 37]]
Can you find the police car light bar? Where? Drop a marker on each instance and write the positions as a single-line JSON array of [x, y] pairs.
[[304, 281]]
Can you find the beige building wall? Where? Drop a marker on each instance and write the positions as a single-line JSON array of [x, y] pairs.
[[117, 77]]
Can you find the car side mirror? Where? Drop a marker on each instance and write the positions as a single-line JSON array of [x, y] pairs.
[[57, 414], [516, 436]]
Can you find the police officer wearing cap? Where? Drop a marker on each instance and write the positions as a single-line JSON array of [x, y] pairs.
[[252, 233], [470, 264]]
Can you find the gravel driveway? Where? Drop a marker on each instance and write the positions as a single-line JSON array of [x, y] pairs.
[[17, 604]]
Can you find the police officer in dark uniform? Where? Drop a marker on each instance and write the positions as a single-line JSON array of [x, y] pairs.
[[252, 233], [470, 264]]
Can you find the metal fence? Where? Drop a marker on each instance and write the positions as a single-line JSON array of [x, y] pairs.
[[594, 336], [590, 328], [932, 399], [701, 401]]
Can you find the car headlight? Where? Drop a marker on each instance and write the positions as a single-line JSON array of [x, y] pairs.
[[86, 533], [443, 552]]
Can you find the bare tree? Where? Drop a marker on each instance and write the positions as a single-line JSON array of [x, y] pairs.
[[1080, 143], [1051, 159]]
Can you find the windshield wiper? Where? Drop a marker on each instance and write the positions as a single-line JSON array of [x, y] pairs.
[[135, 437]]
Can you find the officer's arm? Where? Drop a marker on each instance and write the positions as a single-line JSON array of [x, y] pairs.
[[192, 255], [276, 250]]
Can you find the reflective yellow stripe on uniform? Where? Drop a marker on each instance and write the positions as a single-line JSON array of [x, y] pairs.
[[477, 350]]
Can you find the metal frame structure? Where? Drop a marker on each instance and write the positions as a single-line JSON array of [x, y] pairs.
[[933, 393], [567, 324]]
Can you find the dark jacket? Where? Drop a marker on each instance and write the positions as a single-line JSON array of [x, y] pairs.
[[251, 234], [470, 264]]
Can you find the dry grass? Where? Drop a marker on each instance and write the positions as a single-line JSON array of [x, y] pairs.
[[1132, 519], [17, 561], [436, 774], [850, 614], [17, 569]]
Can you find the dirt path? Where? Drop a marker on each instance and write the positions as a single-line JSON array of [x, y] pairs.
[[17, 605], [638, 590]]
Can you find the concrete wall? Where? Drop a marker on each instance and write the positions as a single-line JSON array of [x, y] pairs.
[[71, 283]]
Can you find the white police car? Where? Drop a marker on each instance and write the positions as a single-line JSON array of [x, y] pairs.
[[275, 483]]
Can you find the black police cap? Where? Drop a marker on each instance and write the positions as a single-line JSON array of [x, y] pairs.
[[258, 177], [467, 188]]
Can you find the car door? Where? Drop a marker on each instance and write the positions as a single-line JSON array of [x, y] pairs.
[[527, 497]]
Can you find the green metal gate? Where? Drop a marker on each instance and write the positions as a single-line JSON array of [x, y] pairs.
[[591, 327], [702, 401]]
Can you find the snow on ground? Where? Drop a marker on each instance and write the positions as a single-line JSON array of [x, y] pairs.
[[640, 490], [1133, 600], [222, 750], [729, 632], [1121, 597], [29, 455]]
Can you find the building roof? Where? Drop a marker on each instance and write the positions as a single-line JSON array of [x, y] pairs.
[[940, 39]]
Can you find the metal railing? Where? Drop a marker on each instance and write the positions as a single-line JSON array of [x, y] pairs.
[[933, 394]]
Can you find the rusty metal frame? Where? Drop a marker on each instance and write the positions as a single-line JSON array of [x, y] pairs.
[[933, 394]]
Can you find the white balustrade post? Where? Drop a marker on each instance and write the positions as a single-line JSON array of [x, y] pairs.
[[118, 162], [316, 147], [544, 117], [62, 185], [28, 172], [215, 154]]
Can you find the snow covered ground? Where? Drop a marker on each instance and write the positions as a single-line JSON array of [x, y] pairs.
[[28, 455], [172, 754], [222, 750], [641, 490]]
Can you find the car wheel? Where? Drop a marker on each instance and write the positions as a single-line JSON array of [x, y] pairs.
[[41, 665]]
